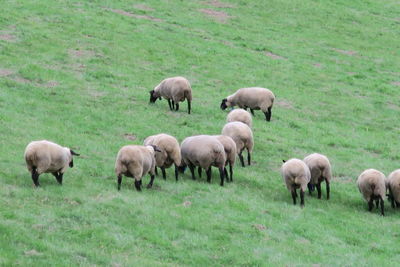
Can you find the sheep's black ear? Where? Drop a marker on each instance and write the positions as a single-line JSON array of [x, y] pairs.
[[74, 153], [156, 148], [283, 161], [71, 164], [223, 104]]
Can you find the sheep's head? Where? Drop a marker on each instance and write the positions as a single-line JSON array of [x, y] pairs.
[[154, 96], [182, 167], [153, 149], [73, 153], [224, 104]]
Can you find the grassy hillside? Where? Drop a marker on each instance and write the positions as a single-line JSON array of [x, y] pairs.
[[78, 73]]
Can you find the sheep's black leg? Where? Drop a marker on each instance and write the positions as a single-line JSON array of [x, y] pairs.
[[226, 174], [169, 104], [59, 178], [252, 112], [199, 171], [382, 207], [370, 204], [390, 197], [156, 171], [377, 203], [208, 172], [248, 157], [268, 114], [35, 177], [230, 171], [294, 196], [221, 175], [310, 188], [301, 198], [138, 184], [241, 159], [176, 172], [164, 176], [328, 189], [173, 105], [119, 181], [189, 106], [177, 106], [319, 189], [150, 185], [191, 167]]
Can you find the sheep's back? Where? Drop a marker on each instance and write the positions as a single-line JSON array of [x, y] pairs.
[[371, 182]]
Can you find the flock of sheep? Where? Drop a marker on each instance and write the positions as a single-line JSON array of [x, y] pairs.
[[204, 151]]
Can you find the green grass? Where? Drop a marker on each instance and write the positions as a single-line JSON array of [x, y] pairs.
[[78, 73]]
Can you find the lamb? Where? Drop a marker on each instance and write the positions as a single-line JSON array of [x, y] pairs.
[[254, 98], [320, 169], [170, 152], [203, 151], [296, 174], [176, 89], [393, 185], [230, 154], [48, 157], [136, 161], [240, 115], [243, 137], [372, 186]]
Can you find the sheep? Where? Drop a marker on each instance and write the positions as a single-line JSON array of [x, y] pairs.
[[371, 184], [240, 115], [230, 154], [203, 151], [170, 152], [254, 98], [48, 157], [243, 137], [320, 169], [136, 161], [176, 89], [296, 174], [393, 185]]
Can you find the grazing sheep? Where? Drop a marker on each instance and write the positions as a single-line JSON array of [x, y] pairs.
[[243, 137], [296, 174], [45, 156], [240, 115], [136, 161], [176, 89], [230, 154], [320, 169], [170, 152], [393, 185], [203, 151], [254, 98], [372, 186]]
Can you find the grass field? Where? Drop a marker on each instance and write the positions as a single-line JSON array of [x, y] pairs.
[[78, 73]]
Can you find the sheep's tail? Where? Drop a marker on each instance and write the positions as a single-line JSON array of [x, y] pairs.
[[188, 94], [176, 156]]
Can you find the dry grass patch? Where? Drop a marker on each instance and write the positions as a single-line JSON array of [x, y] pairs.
[[219, 4], [132, 15], [273, 56], [219, 16]]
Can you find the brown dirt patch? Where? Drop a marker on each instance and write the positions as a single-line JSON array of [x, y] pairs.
[[273, 56], [128, 14], [318, 65], [187, 203], [20, 79], [143, 7], [32, 252], [345, 52], [393, 106], [259, 227], [130, 137], [81, 53], [51, 84], [7, 37], [5, 72], [284, 103], [216, 3], [397, 83], [219, 16]]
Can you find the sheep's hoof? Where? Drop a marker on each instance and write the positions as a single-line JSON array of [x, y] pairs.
[[149, 186]]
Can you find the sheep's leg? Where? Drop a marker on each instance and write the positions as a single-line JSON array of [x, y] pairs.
[[382, 207], [241, 159], [138, 185], [150, 185], [252, 112], [156, 171], [390, 197], [377, 203], [191, 167], [199, 171], [268, 114], [319, 189], [208, 172], [169, 104], [301, 198], [294, 196], [164, 176], [177, 106], [189, 106], [173, 105], [310, 188], [226, 174], [231, 171], [35, 176], [59, 178], [248, 157], [370, 204], [328, 189], [221, 175], [119, 181], [176, 172]]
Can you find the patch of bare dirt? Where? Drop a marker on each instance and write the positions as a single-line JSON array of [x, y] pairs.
[[32, 252], [128, 14], [130, 137], [284, 103], [143, 7], [303, 241], [259, 227], [219, 4], [187, 203], [273, 56], [318, 65], [5, 72], [20, 79], [81, 53], [345, 52], [8, 37], [393, 106], [397, 83], [219, 16], [51, 84]]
